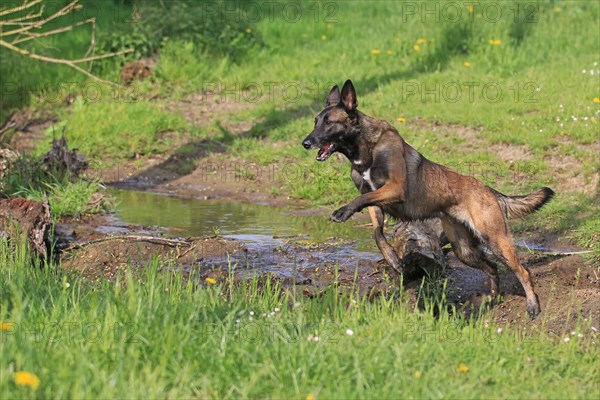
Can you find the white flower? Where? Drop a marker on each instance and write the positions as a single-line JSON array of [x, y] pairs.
[[579, 335], [499, 331], [566, 339], [277, 309], [583, 71], [594, 329], [251, 313], [349, 332]]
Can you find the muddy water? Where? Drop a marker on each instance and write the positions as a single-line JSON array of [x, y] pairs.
[[247, 222], [275, 239]]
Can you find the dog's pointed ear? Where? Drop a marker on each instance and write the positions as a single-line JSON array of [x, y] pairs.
[[333, 98], [349, 96]]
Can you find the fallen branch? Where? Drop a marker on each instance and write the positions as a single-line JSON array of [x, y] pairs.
[[21, 218], [136, 238]]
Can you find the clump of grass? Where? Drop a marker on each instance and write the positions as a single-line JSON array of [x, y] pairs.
[[67, 195]]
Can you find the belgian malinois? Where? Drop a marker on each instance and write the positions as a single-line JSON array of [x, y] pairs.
[[394, 178]]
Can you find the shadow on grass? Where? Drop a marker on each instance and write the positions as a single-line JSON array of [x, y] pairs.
[[453, 42]]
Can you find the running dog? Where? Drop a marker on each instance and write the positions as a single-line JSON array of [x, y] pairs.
[[396, 179]]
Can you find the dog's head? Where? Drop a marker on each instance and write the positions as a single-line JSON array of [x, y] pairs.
[[334, 125]]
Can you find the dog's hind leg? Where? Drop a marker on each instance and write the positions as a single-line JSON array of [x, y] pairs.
[[503, 247], [497, 237], [467, 249], [387, 251]]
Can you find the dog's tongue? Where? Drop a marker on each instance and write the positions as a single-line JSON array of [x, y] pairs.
[[324, 152]]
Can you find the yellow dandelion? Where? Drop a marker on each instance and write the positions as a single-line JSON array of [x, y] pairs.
[[24, 378], [324, 37], [310, 397], [421, 41], [470, 9], [375, 51], [462, 368], [417, 47], [417, 374], [557, 9], [389, 52], [401, 119], [495, 42], [596, 100], [7, 326], [467, 64], [211, 281], [248, 30]]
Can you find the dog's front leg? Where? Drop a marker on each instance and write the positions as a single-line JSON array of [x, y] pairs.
[[387, 194], [388, 252]]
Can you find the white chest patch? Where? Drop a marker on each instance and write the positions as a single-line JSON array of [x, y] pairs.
[[367, 177]]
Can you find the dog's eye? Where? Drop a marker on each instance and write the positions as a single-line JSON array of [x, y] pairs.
[[329, 122]]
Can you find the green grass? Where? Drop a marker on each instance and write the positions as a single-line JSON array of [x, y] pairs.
[[155, 335], [119, 128], [165, 337]]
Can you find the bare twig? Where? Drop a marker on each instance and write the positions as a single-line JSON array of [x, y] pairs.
[[22, 7], [70, 63], [31, 35], [38, 24], [25, 33]]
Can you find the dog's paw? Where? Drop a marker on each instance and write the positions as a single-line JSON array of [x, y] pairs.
[[342, 214], [533, 308]]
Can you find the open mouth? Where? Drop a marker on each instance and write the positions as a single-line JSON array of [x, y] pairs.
[[325, 151]]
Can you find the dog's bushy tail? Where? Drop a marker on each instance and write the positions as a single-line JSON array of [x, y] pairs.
[[521, 206]]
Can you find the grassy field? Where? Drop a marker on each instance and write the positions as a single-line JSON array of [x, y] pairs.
[[507, 91], [161, 337]]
